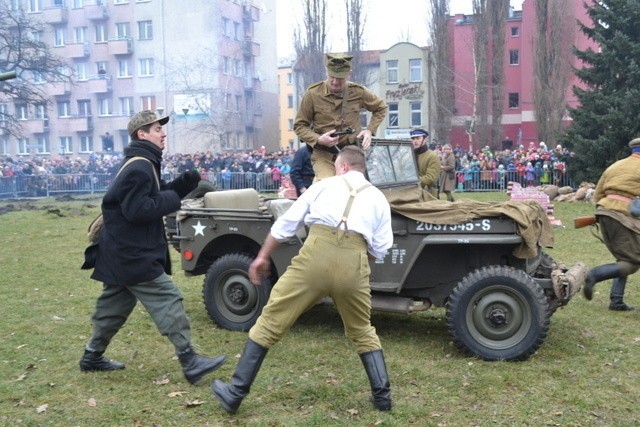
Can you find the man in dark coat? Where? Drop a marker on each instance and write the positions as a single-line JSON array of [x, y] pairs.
[[133, 256], [301, 170]]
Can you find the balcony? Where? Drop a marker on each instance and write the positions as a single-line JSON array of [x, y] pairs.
[[251, 12], [80, 124], [56, 14], [120, 46], [35, 125], [78, 50], [250, 48], [59, 89], [96, 10], [100, 84]]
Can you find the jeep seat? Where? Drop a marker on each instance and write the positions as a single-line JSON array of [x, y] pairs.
[[246, 198]]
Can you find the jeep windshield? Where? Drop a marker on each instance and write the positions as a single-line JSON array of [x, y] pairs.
[[391, 163]]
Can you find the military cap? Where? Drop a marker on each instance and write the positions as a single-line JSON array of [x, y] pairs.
[[339, 65], [143, 118], [418, 132], [635, 143]]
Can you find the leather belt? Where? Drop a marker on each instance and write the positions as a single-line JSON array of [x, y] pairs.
[[619, 198]]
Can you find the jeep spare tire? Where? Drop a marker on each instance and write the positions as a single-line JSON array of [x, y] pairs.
[[231, 300], [498, 313]]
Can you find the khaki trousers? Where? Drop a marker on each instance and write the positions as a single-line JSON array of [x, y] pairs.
[[323, 163], [329, 264]]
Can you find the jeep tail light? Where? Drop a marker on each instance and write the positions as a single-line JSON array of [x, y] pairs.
[[188, 255]]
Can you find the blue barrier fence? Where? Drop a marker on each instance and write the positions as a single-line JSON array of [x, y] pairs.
[[31, 186]]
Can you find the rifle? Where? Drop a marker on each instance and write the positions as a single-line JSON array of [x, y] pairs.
[[584, 221], [7, 76]]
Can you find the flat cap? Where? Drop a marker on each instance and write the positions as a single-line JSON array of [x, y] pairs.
[[634, 143], [143, 118], [339, 65]]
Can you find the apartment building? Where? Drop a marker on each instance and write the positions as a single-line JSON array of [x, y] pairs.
[[208, 64], [288, 107]]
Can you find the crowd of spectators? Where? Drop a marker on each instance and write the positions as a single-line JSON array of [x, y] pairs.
[[479, 170]]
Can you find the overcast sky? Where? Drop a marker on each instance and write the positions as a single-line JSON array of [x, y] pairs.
[[385, 25]]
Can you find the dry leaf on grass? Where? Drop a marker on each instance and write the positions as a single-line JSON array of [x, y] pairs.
[[193, 403], [163, 381], [176, 393], [92, 402], [42, 408], [353, 412]]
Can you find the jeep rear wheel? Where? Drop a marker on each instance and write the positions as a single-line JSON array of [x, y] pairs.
[[498, 313], [232, 301]]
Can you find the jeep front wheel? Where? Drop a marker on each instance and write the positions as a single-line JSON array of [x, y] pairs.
[[231, 300], [498, 313]]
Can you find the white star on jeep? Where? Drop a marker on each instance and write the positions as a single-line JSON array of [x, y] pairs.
[[199, 229]]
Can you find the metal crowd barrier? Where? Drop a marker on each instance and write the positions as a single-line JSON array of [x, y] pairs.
[[32, 186]]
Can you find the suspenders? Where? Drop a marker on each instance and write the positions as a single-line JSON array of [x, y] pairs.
[[347, 209]]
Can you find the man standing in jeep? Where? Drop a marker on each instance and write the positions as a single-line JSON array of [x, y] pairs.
[[334, 105]]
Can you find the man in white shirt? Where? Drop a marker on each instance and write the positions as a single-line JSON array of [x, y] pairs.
[[349, 222]]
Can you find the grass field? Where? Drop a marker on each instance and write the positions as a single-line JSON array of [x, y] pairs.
[[586, 372]]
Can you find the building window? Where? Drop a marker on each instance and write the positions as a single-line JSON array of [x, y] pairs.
[[41, 111], [84, 108], [393, 115], [238, 68], [120, 1], [104, 107], [80, 34], [66, 145], [77, 4], [38, 77], [392, 71], [146, 67], [81, 71], [3, 146], [23, 146], [14, 4], [124, 68], [236, 31], [416, 113], [101, 33], [64, 109], [415, 70], [289, 101], [514, 100], [43, 145], [514, 57], [226, 27], [290, 124], [22, 112], [123, 30], [148, 103], [238, 102], [126, 106], [289, 78], [226, 65], [101, 68], [86, 144], [145, 30], [35, 6], [59, 37], [515, 31]]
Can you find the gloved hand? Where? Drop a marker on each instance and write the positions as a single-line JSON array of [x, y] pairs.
[[185, 183]]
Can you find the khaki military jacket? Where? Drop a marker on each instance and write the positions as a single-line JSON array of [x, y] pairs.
[[320, 111], [428, 168]]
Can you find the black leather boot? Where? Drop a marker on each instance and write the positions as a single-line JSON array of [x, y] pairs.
[[376, 369], [598, 274], [94, 361], [195, 366], [230, 395], [617, 295]]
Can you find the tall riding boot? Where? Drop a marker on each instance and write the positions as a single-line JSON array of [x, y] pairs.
[[376, 369], [617, 295], [195, 366], [598, 274], [94, 361], [230, 395]]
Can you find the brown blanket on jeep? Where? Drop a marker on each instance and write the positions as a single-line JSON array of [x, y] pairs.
[[529, 216]]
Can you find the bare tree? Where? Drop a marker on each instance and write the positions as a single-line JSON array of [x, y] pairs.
[[441, 84], [310, 43], [498, 21], [23, 51], [552, 46], [480, 116], [356, 20]]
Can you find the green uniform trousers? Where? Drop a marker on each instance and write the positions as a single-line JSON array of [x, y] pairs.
[[331, 263], [623, 243], [323, 163], [160, 297]]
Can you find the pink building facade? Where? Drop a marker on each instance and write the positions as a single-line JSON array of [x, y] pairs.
[[518, 113]]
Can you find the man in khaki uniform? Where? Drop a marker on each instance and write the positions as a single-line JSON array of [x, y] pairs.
[[619, 223], [334, 105], [428, 161]]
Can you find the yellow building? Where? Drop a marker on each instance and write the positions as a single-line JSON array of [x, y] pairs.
[[287, 107]]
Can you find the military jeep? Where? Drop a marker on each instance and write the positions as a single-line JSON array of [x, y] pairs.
[[498, 305]]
